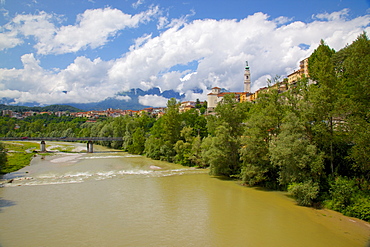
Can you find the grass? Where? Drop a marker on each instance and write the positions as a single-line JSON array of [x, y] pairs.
[[19, 155]]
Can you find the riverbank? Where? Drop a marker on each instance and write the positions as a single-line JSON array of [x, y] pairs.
[[20, 154]]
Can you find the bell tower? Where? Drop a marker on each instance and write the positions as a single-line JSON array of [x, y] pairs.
[[247, 79]]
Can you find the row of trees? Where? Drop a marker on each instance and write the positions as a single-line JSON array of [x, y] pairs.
[[312, 140]]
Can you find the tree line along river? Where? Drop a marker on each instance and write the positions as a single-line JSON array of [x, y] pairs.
[[111, 198]]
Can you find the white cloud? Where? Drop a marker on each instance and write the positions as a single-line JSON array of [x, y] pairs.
[[335, 16], [84, 81], [162, 22], [125, 98], [137, 4], [9, 40], [153, 100], [215, 49], [93, 29]]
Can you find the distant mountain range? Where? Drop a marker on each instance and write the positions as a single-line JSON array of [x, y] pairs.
[[132, 104], [113, 102]]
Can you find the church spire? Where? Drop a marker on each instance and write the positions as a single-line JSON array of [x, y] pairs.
[[247, 78]]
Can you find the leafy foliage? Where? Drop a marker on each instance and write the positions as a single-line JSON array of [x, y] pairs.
[[305, 192]]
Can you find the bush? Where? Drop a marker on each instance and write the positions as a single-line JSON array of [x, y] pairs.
[[360, 209], [342, 192], [347, 197], [305, 193]]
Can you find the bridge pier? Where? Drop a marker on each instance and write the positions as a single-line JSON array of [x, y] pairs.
[[42, 146], [90, 147]]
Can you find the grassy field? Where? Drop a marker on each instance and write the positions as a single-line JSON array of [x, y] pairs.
[[19, 155]]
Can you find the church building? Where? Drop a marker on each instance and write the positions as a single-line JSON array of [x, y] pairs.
[[216, 96]]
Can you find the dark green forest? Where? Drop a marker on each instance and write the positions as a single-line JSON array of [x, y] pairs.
[[50, 108], [312, 140]]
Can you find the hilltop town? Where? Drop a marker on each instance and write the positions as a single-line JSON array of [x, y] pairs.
[[216, 96]]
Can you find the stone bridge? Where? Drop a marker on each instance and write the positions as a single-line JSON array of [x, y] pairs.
[[90, 140]]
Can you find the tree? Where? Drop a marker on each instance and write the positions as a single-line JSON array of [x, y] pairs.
[[223, 153], [171, 127], [323, 98], [153, 147], [183, 149], [171, 122], [297, 159], [226, 128], [138, 142], [352, 65], [261, 127], [196, 153]]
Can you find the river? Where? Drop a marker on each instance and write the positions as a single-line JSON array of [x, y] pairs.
[[110, 198]]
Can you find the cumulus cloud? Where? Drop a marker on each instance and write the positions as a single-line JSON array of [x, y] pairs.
[[185, 57], [93, 29], [153, 100], [221, 47], [82, 81]]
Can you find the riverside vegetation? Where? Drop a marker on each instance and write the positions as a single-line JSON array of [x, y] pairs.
[[312, 140]]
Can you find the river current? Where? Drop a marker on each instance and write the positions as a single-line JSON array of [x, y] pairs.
[[111, 198]]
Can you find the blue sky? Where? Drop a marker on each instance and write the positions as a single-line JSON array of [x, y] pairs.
[[93, 49]]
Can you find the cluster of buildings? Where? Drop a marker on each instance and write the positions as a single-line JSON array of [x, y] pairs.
[[20, 115], [88, 114], [159, 111], [216, 95]]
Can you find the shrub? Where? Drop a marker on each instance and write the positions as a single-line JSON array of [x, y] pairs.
[[305, 193], [360, 209], [342, 193], [347, 198]]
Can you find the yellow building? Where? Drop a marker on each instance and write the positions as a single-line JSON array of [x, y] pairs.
[[298, 74]]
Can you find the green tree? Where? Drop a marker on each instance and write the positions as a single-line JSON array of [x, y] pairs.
[[171, 122], [153, 147], [352, 65], [222, 154], [168, 130], [138, 141], [196, 153], [226, 128], [323, 98], [184, 148], [262, 126], [296, 159]]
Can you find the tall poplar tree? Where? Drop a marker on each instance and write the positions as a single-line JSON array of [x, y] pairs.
[[323, 97]]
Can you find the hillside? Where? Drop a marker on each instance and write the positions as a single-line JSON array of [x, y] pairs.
[[51, 108]]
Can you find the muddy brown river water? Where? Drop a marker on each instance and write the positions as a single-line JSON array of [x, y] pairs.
[[112, 198]]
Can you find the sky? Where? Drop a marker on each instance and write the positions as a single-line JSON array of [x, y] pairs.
[[82, 51]]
